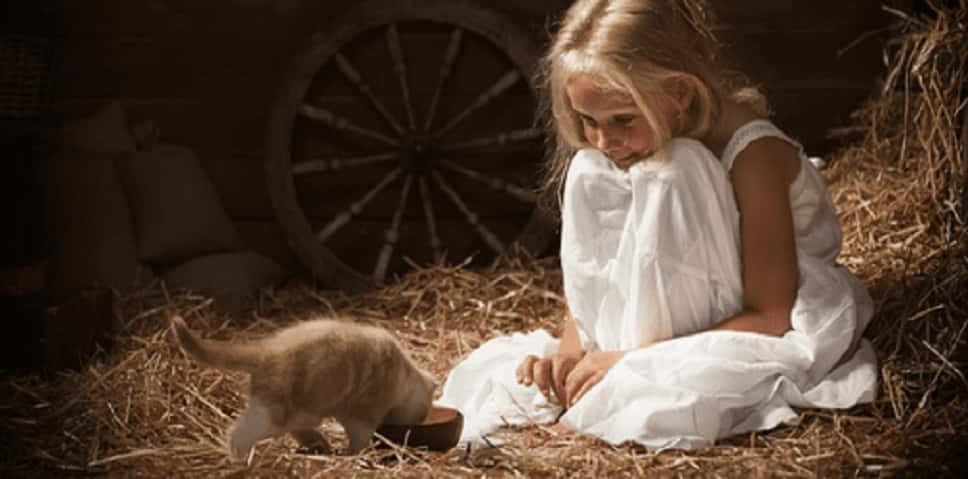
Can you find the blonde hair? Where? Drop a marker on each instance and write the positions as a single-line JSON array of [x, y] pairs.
[[634, 47]]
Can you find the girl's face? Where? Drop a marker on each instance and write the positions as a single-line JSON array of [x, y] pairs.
[[613, 123]]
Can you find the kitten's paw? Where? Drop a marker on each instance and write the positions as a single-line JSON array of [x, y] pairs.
[[316, 449], [311, 442], [238, 450]]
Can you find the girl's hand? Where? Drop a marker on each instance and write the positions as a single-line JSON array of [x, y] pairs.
[[549, 373], [587, 373]]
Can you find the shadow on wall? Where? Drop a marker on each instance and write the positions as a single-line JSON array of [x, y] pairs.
[[123, 212]]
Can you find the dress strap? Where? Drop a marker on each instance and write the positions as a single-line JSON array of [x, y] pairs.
[[749, 133]]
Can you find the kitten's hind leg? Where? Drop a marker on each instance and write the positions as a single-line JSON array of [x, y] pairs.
[[311, 441], [252, 426], [359, 432]]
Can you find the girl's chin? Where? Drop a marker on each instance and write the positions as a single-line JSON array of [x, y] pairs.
[[626, 162]]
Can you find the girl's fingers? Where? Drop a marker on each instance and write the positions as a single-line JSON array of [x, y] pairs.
[[528, 369], [574, 382], [542, 375], [556, 382], [524, 373], [560, 367], [589, 383]]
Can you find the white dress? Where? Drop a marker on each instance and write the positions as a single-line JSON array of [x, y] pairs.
[[652, 253]]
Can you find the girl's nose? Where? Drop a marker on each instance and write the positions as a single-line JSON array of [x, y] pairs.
[[607, 140]]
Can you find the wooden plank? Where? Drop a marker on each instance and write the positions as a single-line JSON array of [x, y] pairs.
[[807, 59], [793, 15], [198, 64], [534, 16], [810, 114], [775, 15], [251, 17], [240, 182], [266, 238], [224, 126]]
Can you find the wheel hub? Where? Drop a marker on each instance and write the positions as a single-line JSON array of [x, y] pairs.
[[417, 156]]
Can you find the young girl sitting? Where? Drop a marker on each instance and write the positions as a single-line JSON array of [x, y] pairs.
[[698, 250]]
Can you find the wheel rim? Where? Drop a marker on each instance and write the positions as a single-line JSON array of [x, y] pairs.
[[416, 145]]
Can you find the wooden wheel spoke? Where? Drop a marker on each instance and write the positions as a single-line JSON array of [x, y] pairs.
[[337, 122], [490, 238], [396, 52], [501, 139], [392, 234], [370, 124], [356, 207], [499, 87], [445, 68], [428, 209], [494, 182], [354, 76], [334, 164]]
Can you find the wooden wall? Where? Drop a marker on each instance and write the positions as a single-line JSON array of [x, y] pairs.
[[817, 60], [206, 72]]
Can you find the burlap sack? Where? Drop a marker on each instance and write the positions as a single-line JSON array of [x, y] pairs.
[[177, 213]]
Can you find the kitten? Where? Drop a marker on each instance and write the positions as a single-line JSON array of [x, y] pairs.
[[316, 369]]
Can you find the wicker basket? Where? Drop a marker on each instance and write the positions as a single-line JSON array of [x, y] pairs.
[[24, 76]]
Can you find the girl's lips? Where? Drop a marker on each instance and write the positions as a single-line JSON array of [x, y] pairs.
[[617, 157], [624, 163], [627, 160]]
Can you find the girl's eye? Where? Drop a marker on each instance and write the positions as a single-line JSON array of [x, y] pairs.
[[587, 120], [624, 119]]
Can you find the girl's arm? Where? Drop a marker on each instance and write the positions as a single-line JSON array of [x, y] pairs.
[[570, 341], [761, 176]]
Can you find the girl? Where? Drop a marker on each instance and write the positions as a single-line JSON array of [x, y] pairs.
[[698, 251]]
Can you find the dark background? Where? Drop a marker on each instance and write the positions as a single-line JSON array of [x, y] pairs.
[[206, 74]]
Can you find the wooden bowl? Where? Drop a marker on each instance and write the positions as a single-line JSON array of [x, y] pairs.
[[439, 432]]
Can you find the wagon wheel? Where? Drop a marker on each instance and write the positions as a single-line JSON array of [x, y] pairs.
[[407, 131]]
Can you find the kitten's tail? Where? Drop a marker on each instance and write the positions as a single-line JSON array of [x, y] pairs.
[[219, 354]]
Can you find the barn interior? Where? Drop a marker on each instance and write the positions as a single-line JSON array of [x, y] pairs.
[[252, 163]]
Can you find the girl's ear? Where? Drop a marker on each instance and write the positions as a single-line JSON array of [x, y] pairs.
[[682, 89]]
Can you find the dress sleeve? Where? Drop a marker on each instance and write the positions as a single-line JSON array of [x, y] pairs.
[[749, 133]]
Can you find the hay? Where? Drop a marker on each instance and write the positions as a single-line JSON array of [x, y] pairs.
[[146, 410], [901, 194]]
